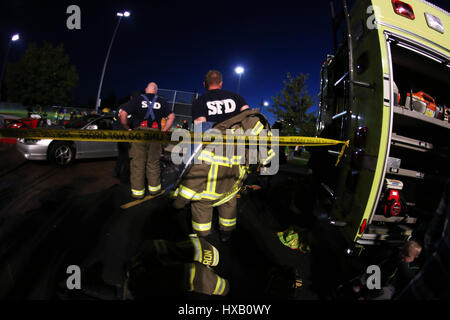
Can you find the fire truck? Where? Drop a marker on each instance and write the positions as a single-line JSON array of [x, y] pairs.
[[386, 88]]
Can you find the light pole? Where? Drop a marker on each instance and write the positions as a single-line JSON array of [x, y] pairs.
[[120, 15], [239, 70], [14, 38]]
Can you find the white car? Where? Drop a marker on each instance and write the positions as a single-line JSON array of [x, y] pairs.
[[63, 153]]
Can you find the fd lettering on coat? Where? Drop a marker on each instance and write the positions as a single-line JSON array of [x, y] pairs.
[[221, 106]]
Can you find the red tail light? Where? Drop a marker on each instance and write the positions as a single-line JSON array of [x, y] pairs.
[[360, 137], [363, 226], [403, 9]]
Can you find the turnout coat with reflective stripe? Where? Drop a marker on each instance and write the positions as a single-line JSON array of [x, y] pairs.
[[219, 177]]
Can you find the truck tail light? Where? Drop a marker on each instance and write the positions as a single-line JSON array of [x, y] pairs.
[[363, 226], [403, 9], [360, 138]]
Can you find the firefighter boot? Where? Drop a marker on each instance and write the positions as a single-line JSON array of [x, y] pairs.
[[225, 236]]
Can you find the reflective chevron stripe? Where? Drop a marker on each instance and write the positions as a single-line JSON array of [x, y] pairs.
[[154, 189], [201, 226], [138, 192], [220, 286], [227, 222]]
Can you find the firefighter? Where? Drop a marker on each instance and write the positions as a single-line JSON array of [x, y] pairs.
[[216, 181], [171, 268], [147, 110]]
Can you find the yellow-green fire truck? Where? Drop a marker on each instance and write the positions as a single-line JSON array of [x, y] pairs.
[[386, 88]]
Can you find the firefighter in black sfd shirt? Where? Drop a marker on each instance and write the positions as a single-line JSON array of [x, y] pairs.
[[216, 105], [146, 155]]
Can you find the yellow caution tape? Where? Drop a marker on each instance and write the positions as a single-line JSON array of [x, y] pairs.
[[163, 137], [166, 137]]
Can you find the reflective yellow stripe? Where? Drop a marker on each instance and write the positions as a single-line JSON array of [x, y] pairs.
[[236, 160], [187, 193], [201, 226], [206, 156], [220, 286], [228, 196], [216, 257], [212, 178], [198, 249], [210, 158], [224, 284], [191, 276], [154, 189], [270, 154], [237, 131], [207, 153], [192, 195], [138, 192], [210, 196], [257, 128], [227, 222], [226, 199]]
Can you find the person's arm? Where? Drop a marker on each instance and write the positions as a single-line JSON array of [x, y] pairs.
[[200, 119], [126, 109], [169, 122], [123, 119], [243, 103], [198, 113]]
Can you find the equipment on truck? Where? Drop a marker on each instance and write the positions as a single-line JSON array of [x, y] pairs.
[[422, 103]]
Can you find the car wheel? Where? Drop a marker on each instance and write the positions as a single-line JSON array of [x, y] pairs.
[[62, 154]]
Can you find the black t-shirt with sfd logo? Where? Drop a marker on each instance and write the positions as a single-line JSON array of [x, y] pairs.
[[138, 107], [217, 105]]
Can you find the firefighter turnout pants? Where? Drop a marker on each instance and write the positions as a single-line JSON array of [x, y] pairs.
[[164, 268], [202, 212], [144, 163]]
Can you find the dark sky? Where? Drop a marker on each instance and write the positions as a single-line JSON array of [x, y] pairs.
[[176, 42]]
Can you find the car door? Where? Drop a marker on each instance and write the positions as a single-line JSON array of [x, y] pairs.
[[97, 149]]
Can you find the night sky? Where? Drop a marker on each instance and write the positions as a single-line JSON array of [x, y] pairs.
[[176, 42]]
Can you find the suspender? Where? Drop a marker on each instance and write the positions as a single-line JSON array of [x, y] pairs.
[[150, 107]]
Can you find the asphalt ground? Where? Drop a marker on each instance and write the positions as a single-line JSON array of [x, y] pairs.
[[53, 217]]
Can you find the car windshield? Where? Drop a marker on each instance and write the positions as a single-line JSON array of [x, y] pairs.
[[81, 122]]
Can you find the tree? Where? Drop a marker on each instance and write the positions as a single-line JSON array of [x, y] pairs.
[[291, 107], [43, 76]]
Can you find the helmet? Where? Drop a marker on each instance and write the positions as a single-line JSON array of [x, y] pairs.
[[106, 110]]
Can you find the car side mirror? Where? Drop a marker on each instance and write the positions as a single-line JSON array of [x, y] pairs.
[[92, 127]]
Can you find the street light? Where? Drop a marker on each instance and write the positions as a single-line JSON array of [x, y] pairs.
[[266, 104], [14, 38], [239, 70], [120, 15]]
